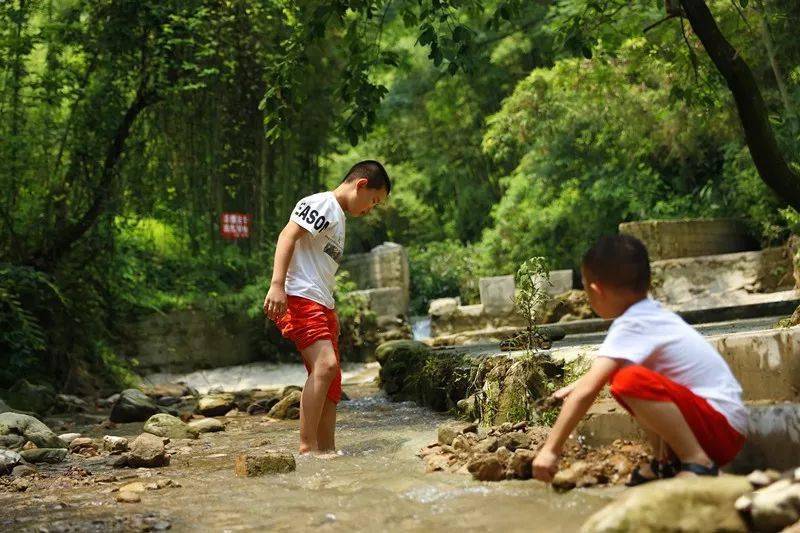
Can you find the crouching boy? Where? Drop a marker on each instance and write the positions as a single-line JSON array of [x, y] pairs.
[[675, 384]]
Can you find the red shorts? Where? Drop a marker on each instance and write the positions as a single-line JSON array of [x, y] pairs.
[[716, 436], [306, 322]]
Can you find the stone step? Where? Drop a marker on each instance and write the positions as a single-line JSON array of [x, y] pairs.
[[773, 440]]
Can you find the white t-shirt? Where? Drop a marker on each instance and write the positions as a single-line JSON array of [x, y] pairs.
[[658, 339], [312, 271]]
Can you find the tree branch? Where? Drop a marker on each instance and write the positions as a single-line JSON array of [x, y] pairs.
[[764, 149]]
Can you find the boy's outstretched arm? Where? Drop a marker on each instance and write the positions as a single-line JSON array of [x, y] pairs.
[[578, 398], [275, 302]]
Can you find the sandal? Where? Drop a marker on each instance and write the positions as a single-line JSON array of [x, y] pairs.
[[660, 470], [700, 470]]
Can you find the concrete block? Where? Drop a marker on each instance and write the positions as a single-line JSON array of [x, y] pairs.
[[666, 239], [560, 281], [497, 294], [384, 266], [443, 307], [386, 301]]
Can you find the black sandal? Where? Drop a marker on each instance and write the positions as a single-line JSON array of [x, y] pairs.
[[700, 470], [637, 478]]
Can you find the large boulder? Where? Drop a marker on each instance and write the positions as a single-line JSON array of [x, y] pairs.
[[164, 425], [29, 428], [44, 455], [256, 463], [681, 504], [400, 349], [216, 404], [133, 406], [26, 396], [283, 409], [147, 451], [175, 390]]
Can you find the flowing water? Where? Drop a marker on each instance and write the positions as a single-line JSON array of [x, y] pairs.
[[376, 484]]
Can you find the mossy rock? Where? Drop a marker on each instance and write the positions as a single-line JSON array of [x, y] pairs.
[[412, 371]]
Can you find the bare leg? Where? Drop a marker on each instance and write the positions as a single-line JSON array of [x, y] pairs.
[[327, 427], [666, 420], [322, 360]]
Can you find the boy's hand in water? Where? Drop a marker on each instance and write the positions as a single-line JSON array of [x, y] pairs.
[[275, 303], [545, 465]]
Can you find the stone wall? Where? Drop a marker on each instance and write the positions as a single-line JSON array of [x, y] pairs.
[[668, 239], [187, 340], [384, 266], [721, 280]]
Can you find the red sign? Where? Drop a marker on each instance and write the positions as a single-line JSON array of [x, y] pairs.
[[234, 226]]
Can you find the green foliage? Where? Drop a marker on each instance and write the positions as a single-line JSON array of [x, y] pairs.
[[443, 269], [532, 282]]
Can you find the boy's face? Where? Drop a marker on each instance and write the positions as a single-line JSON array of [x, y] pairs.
[[364, 198]]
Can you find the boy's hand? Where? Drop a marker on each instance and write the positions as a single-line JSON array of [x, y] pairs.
[[275, 303], [545, 465], [563, 392]]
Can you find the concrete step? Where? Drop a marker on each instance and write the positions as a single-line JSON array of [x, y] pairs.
[[773, 440]]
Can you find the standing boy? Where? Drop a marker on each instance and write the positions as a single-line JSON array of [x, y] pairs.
[[300, 298], [676, 385]]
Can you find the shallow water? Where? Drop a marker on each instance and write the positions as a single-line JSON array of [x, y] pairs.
[[376, 484]]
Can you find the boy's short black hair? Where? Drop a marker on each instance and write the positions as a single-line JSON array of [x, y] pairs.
[[620, 261], [375, 174]]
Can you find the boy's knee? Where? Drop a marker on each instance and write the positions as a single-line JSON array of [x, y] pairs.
[[327, 367]]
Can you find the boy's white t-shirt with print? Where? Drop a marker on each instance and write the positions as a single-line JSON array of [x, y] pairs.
[[658, 339], [312, 271]]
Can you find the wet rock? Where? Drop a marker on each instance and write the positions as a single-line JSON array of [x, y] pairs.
[[399, 348], [115, 444], [27, 396], [23, 471], [468, 408], [487, 445], [67, 403], [167, 400], [136, 486], [83, 446], [776, 506], [437, 463], [118, 461], [515, 440], [463, 442], [281, 409], [503, 455], [521, 463], [164, 425], [133, 406], [147, 451], [44, 455], [20, 484], [486, 468], [8, 460], [687, 504], [288, 389], [67, 438], [293, 413], [450, 430], [253, 464], [30, 428], [232, 413], [207, 425], [216, 404], [128, 497], [29, 446], [107, 402], [621, 465], [262, 406], [12, 442], [174, 390], [567, 478], [761, 478]]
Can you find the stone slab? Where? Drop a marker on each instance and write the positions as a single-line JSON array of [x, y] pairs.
[[666, 239], [497, 294]]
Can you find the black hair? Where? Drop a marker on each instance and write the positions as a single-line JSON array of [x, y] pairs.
[[375, 174], [620, 261]]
